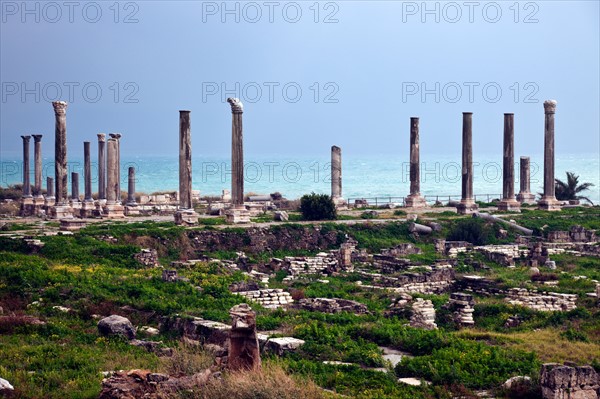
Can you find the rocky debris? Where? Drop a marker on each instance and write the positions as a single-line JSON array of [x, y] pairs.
[[451, 248], [153, 347], [269, 298], [401, 250], [147, 257], [398, 305], [520, 379], [244, 286], [413, 381], [502, 254], [151, 331], [200, 331], [171, 276], [282, 345], [550, 264], [545, 301], [62, 309], [281, 216], [575, 234], [145, 384], [116, 325], [332, 305], [244, 351], [462, 306], [423, 315], [566, 382], [34, 245], [513, 321], [435, 281], [5, 386]]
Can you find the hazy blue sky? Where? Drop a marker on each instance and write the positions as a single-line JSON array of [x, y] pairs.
[[361, 67]]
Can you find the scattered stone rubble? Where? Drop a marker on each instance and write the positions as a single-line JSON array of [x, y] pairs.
[[304, 265], [545, 301], [332, 305], [423, 315], [462, 306], [147, 257], [502, 254], [437, 280], [270, 298], [567, 382]]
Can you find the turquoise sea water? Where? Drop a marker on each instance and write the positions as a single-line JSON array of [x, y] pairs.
[[370, 176]]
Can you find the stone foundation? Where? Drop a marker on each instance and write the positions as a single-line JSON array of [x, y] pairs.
[[147, 257], [186, 217], [237, 216], [566, 382], [332, 305], [544, 302], [268, 298], [423, 315], [113, 211]]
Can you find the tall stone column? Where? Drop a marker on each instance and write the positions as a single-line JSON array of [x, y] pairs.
[[37, 165], [415, 200], [525, 196], [117, 136], [112, 209], [131, 187], [238, 213], [548, 201], [74, 186], [87, 207], [467, 203], [60, 151], [185, 161], [101, 166], [336, 175], [26, 177], [185, 215], [508, 202]]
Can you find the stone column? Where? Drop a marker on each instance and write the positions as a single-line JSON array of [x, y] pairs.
[[548, 201], [117, 136], [525, 196], [37, 165], [185, 214], [238, 213], [49, 200], [26, 177], [467, 204], [415, 200], [336, 175], [185, 161], [131, 186], [113, 208], [74, 186], [87, 166], [101, 166], [244, 351], [60, 151], [508, 202]]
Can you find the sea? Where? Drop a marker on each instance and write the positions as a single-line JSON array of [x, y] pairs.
[[384, 177]]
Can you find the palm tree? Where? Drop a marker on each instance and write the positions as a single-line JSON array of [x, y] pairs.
[[570, 189]]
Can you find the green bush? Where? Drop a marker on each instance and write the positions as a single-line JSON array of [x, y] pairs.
[[317, 207], [472, 230]]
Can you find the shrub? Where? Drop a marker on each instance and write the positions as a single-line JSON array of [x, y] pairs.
[[472, 230], [317, 207]]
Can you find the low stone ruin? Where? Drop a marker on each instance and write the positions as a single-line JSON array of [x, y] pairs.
[[269, 298], [502, 254], [462, 307], [544, 301], [423, 315], [244, 351], [304, 265], [332, 305], [171, 276], [437, 280], [575, 234], [147, 257], [451, 248], [568, 382]]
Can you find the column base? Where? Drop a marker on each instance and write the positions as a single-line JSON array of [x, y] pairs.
[[526, 198], [48, 203], [509, 204], [340, 203], [113, 211], [132, 210], [61, 212], [466, 206], [71, 224], [549, 204], [87, 209], [27, 207], [237, 215], [187, 217], [415, 201]]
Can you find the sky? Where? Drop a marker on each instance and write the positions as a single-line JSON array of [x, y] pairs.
[[310, 74]]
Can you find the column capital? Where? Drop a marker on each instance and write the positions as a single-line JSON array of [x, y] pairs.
[[101, 137], [60, 107], [26, 139], [550, 106], [115, 136], [236, 105]]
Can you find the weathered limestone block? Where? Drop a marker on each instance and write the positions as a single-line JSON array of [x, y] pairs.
[[332, 305], [283, 345], [423, 315], [463, 307], [566, 382], [244, 351], [116, 325]]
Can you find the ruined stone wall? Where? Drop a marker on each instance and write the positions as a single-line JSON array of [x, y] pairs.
[[542, 301], [436, 281], [269, 298]]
